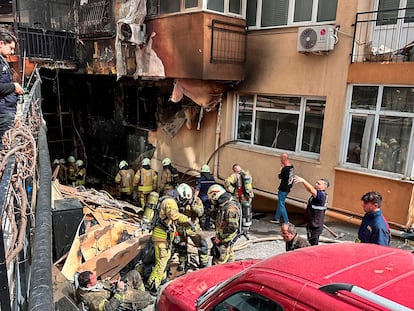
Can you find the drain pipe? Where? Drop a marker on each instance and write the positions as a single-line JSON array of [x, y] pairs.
[[41, 292], [351, 219]]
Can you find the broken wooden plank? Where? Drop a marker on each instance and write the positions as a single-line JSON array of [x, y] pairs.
[[110, 262]]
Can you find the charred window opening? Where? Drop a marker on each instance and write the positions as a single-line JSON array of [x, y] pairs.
[[141, 106]]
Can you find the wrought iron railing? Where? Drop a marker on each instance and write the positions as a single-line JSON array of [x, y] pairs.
[[228, 43], [385, 35], [95, 19], [47, 44]]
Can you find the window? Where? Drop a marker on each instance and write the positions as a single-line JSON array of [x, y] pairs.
[[380, 128], [226, 6], [281, 122], [247, 301], [272, 13]]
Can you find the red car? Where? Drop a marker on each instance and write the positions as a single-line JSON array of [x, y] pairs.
[[344, 276]]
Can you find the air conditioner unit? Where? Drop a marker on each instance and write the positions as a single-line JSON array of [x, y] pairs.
[[316, 38], [133, 33]]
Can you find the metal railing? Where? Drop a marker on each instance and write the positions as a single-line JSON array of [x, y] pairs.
[[384, 36], [25, 232], [228, 43], [47, 44]]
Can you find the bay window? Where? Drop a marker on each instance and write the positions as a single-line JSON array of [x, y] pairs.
[[380, 128], [290, 123]]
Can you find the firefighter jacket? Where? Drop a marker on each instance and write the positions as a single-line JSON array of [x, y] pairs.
[[168, 216], [146, 179], [228, 219], [81, 177], [169, 178], [240, 185], [72, 172], [99, 297], [125, 179], [193, 211]]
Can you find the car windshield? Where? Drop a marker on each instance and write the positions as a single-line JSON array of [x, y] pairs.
[[215, 288]]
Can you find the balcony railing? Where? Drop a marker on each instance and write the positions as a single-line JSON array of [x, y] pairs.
[[384, 36], [47, 44]]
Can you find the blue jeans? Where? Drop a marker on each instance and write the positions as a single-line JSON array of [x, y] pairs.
[[281, 209]]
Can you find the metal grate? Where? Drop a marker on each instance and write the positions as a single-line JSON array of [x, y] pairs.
[[95, 20], [47, 44], [384, 36], [228, 43]]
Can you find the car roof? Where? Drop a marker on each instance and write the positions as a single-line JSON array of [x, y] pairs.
[[386, 271]]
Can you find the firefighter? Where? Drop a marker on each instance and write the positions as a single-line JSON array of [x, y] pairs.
[[169, 177], [192, 207], [63, 172], [228, 224], [146, 179], [72, 170], [81, 174], [162, 237], [125, 179], [239, 184], [202, 184]]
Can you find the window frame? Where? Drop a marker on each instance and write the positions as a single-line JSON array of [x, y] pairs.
[[377, 113], [290, 17], [227, 8], [301, 113]]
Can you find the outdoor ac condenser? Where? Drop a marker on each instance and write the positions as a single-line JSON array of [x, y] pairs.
[[316, 38], [133, 33]]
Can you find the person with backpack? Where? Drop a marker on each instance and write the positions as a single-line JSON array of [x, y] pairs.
[[239, 184], [164, 226], [202, 184], [228, 224], [146, 179], [192, 207], [169, 177]]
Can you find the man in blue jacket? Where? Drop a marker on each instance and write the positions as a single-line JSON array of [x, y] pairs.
[[374, 228], [9, 90]]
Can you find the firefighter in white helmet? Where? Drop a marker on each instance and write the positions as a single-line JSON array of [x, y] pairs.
[[162, 237], [192, 207], [81, 174], [169, 177], [125, 179], [228, 224], [146, 179], [72, 170]]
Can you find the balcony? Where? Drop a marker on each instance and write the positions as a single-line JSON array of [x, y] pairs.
[[200, 45], [384, 36]]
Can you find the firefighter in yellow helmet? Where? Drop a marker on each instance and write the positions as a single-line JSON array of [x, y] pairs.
[[192, 207], [72, 170], [169, 177], [228, 224], [125, 179], [162, 237], [146, 179], [81, 174], [239, 184]]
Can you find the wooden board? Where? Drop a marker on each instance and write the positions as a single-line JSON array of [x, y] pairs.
[[111, 261]]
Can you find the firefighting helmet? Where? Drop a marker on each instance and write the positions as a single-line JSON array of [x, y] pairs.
[[214, 192], [122, 164], [146, 161], [79, 163], [185, 194], [205, 169], [62, 161], [166, 161], [71, 159], [56, 161]]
